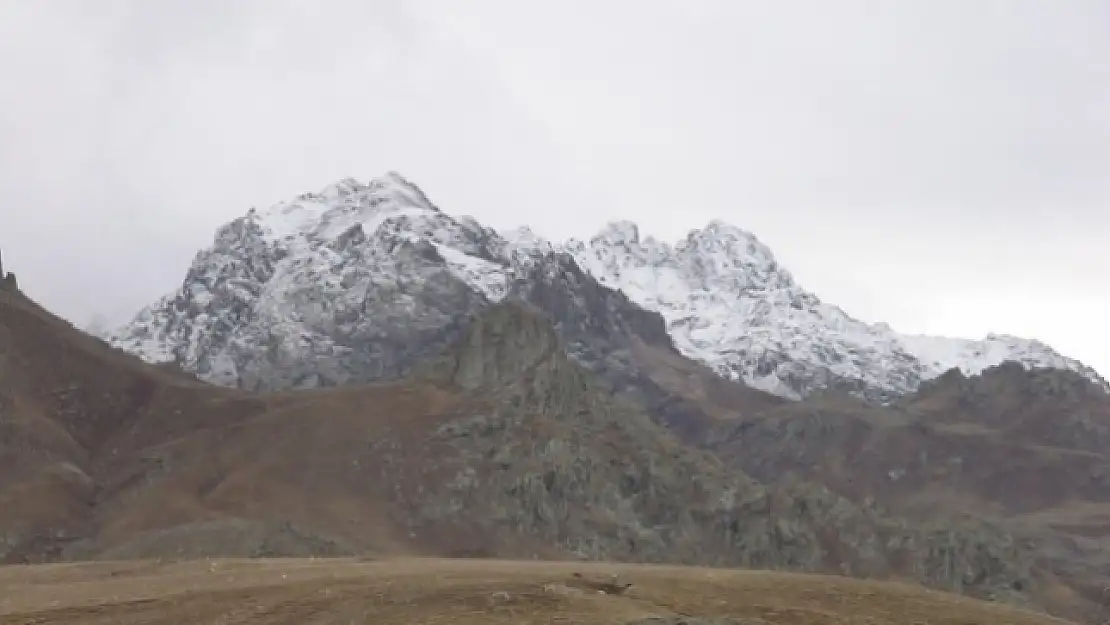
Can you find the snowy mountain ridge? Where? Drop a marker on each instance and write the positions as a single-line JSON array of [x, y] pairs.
[[357, 280], [729, 304]]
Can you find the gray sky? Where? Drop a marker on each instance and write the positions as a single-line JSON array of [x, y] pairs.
[[942, 165]]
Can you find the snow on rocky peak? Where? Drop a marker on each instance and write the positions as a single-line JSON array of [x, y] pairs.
[[729, 304], [309, 292], [358, 281]]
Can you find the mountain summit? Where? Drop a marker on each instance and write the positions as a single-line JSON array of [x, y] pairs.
[[359, 282]]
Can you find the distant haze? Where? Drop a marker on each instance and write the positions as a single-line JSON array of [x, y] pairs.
[[941, 165]]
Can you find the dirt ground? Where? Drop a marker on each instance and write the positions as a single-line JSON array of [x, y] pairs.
[[462, 592]]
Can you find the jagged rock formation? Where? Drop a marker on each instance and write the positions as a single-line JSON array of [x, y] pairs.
[[360, 282]]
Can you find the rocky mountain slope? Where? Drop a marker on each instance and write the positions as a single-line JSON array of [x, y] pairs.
[[359, 282], [501, 445], [1024, 449]]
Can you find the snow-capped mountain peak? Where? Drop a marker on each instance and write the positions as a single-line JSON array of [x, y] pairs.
[[356, 280], [298, 280], [729, 303]]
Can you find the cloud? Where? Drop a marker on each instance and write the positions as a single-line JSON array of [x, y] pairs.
[[894, 155]]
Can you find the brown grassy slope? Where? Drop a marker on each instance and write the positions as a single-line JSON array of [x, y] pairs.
[[466, 592], [100, 452], [63, 395]]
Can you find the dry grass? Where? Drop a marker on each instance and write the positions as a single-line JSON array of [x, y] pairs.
[[460, 592]]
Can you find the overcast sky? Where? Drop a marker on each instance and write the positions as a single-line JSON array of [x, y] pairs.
[[942, 165]]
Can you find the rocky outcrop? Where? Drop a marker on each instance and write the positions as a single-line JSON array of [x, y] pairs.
[[556, 457]]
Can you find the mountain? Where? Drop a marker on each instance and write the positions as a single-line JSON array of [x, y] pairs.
[[358, 282], [499, 446]]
